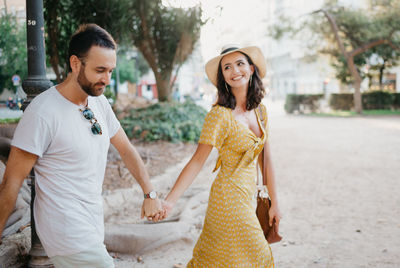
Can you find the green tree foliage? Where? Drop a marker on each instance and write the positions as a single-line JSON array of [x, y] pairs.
[[130, 68], [166, 36], [360, 27], [386, 57], [62, 17], [13, 58], [350, 36]]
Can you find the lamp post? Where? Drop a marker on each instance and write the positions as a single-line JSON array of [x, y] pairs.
[[34, 85]]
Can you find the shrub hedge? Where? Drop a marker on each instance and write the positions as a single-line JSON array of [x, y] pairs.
[[343, 101], [373, 100], [165, 121], [396, 100], [302, 102]]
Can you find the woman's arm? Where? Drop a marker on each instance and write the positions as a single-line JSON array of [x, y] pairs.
[[187, 176], [269, 180]]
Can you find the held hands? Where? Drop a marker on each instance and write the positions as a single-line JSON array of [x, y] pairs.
[[151, 209], [156, 210], [163, 213]]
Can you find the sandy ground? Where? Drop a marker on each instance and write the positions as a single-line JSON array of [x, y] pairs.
[[338, 186]]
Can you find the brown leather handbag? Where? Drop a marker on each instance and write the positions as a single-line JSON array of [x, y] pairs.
[[264, 203]]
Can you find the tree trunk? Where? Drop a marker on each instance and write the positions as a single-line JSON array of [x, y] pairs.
[[53, 33], [357, 97], [163, 88], [175, 76], [369, 80], [356, 84]]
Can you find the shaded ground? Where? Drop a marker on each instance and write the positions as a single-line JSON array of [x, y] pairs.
[[338, 182]]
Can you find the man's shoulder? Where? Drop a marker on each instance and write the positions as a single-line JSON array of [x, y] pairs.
[[43, 98]]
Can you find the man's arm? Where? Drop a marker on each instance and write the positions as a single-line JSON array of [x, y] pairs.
[[19, 164], [135, 165]]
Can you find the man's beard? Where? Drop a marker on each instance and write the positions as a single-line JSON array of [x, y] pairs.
[[88, 87]]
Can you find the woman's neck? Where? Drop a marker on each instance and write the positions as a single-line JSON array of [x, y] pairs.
[[240, 97]]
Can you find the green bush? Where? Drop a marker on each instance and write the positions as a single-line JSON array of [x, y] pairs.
[[292, 103], [165, 121], [375, 100], [342, 101], [110, 95], [396, 100], [302, 102], [9, 120]]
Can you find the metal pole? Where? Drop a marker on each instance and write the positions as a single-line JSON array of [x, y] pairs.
[[34, 85], [36, 81]]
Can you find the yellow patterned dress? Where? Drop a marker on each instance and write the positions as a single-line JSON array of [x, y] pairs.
[[232, 236]]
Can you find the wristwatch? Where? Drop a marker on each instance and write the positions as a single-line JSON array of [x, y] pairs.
[[152, 195]]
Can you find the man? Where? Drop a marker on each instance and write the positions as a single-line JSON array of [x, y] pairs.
[[64, 135]]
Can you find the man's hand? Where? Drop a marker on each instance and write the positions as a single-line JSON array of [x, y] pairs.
[[151, 209]]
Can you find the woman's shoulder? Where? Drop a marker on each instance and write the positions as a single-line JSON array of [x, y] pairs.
[[218, 113], [219, 110]]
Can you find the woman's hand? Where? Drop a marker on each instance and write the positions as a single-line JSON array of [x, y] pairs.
[[166, 209], [275, 216]]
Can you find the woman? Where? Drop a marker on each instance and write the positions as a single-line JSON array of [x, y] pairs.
[[232, 236]]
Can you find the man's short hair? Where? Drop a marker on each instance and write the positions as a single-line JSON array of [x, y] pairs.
[[85, 37]]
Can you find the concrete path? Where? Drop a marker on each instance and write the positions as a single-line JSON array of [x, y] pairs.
[[338, 180]]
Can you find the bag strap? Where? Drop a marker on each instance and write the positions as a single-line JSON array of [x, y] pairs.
[[261, 182], [261, 115]]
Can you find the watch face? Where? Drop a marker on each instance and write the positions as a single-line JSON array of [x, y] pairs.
[[153, 195]]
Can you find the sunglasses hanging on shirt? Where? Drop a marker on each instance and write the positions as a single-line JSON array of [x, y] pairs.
[[89, 115]]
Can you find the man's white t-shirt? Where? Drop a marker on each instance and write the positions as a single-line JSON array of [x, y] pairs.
[[69, 171]]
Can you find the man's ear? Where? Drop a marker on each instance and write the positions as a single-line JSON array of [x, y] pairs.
[[75, 64]]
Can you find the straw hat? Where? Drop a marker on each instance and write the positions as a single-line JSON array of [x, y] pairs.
[[253, 52]]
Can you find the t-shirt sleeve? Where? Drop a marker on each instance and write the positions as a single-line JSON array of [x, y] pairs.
[[112, 122], [32, 133], [215, 128]]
